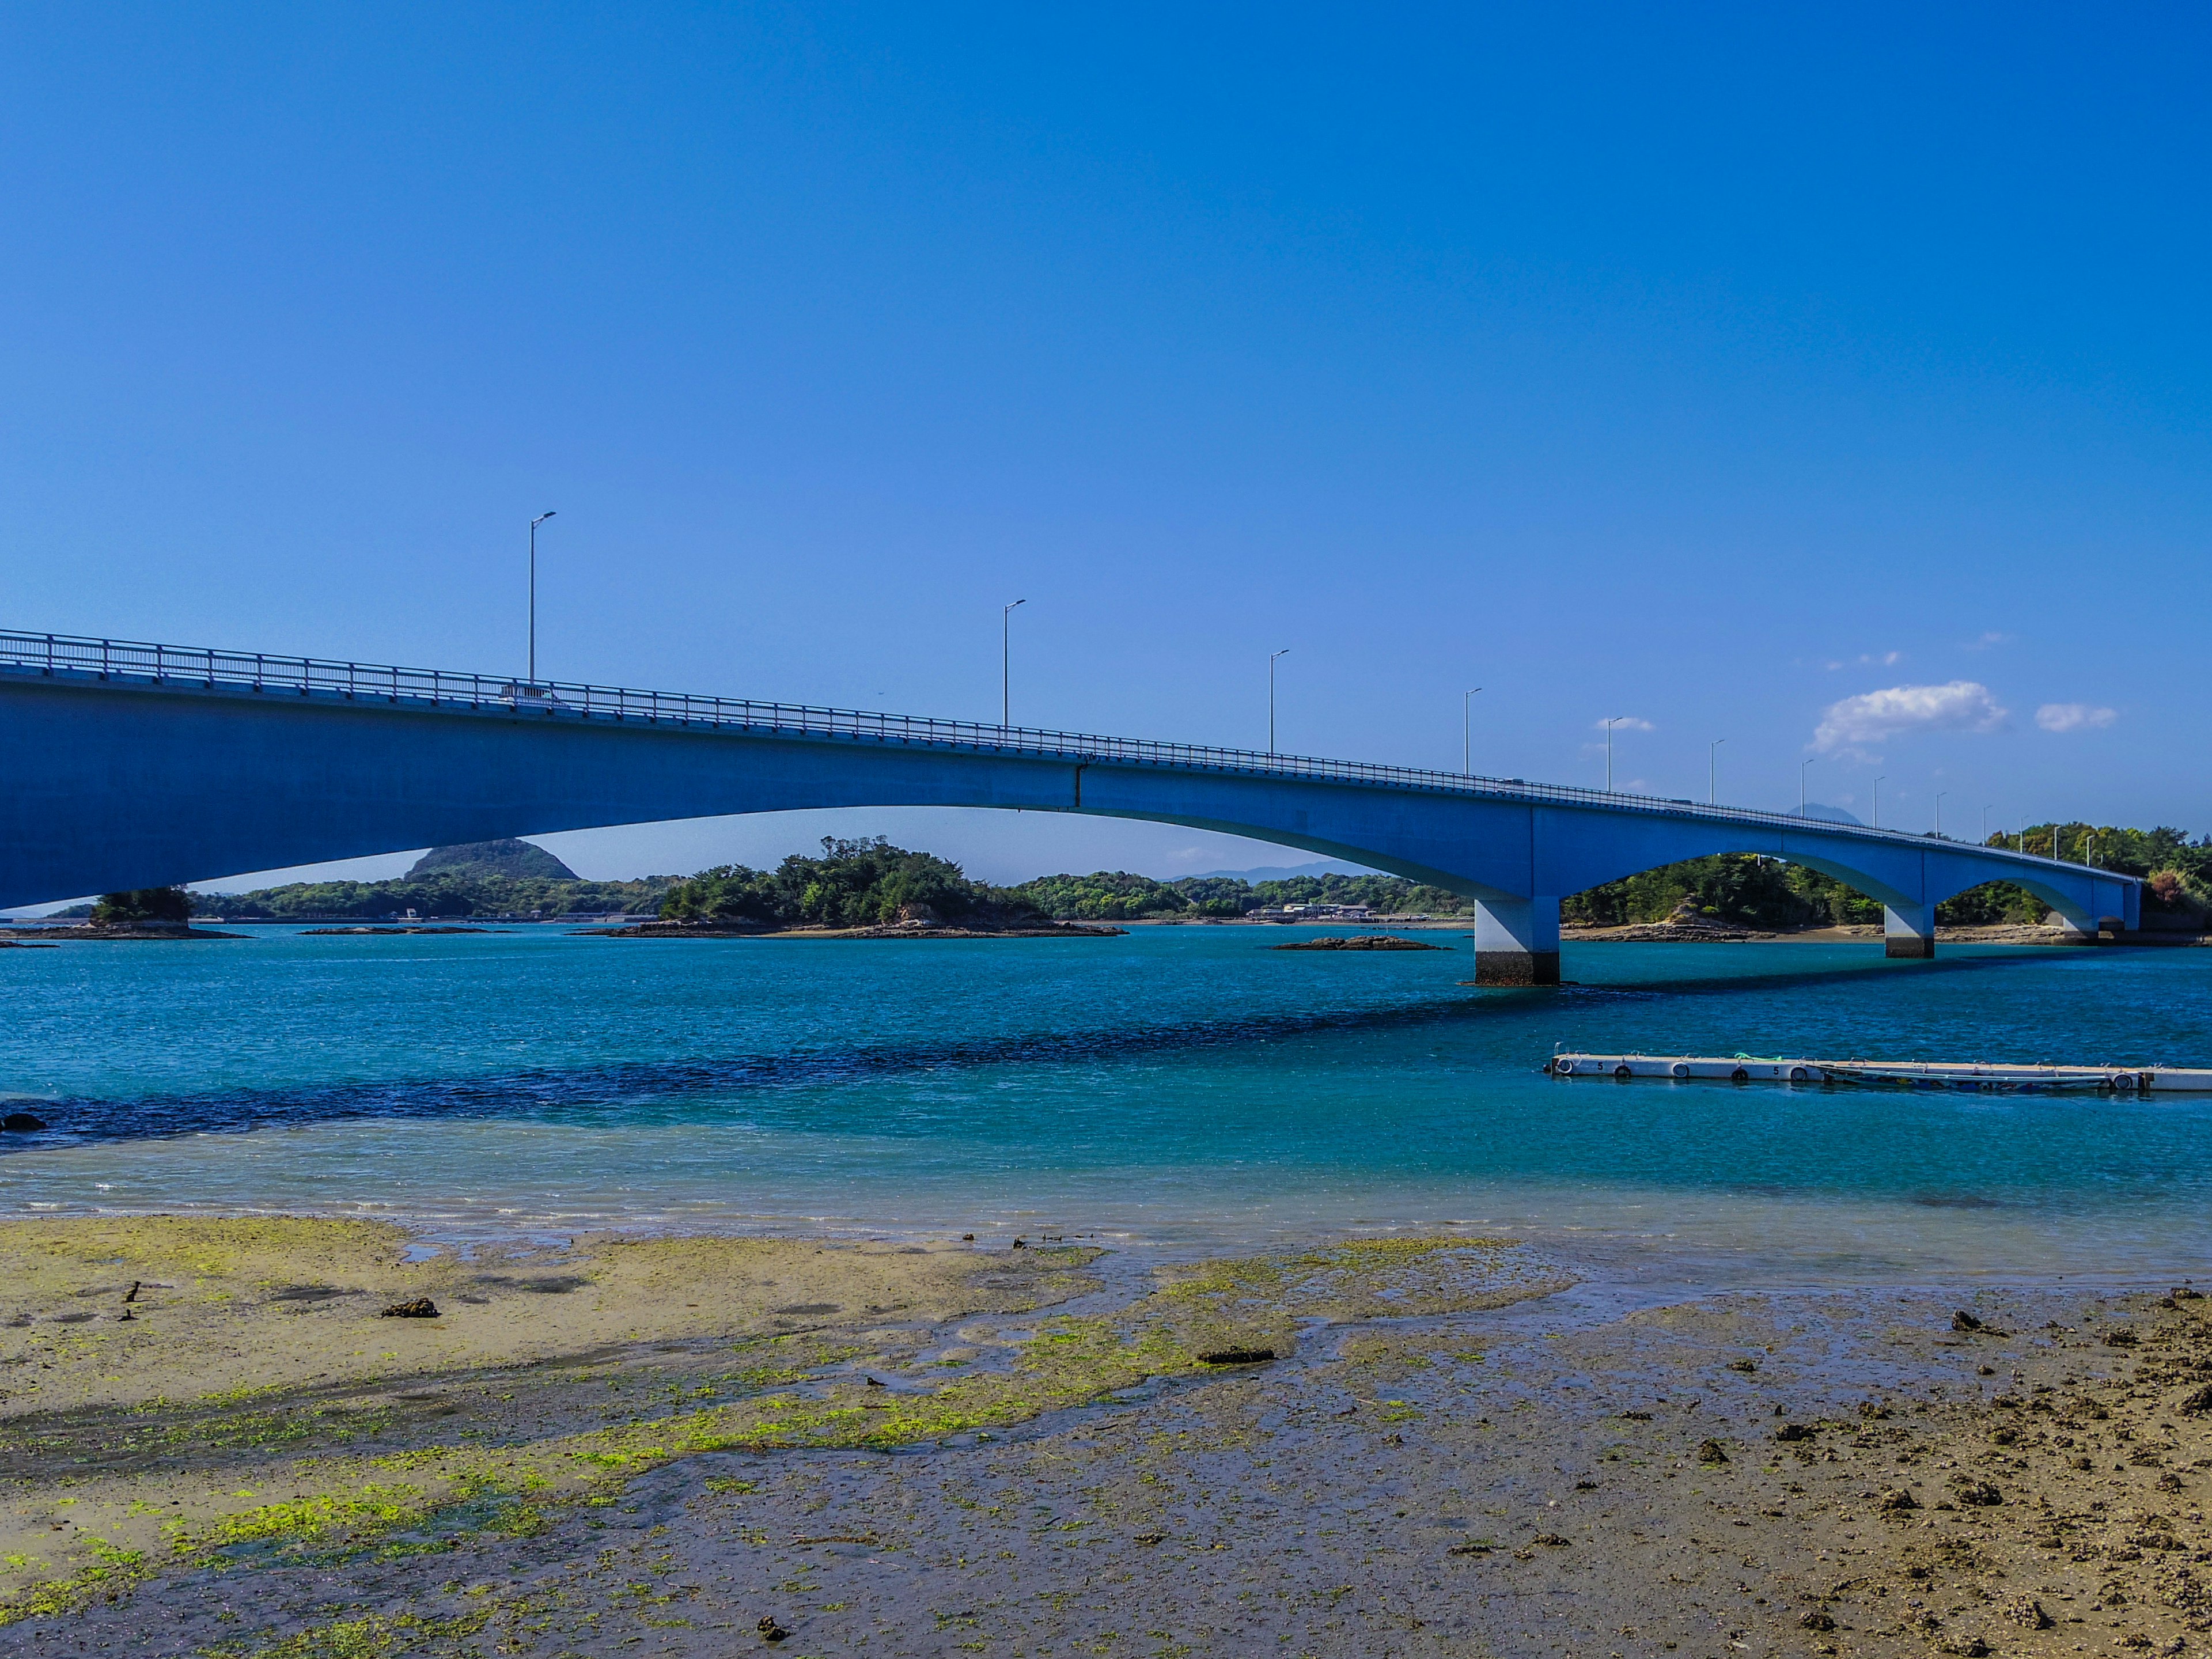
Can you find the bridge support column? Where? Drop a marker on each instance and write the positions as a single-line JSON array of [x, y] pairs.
[[2075, 930], [1516, 941], [1909, 931]]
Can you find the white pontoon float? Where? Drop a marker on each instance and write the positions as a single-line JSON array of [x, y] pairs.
[[1896, 1074]]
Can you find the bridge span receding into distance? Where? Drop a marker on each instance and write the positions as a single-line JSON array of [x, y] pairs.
[[130, 765]]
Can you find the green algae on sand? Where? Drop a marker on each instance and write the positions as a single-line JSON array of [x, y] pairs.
[[338, 1436]]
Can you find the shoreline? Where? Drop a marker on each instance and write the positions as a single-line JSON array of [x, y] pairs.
[[896, 930], [85, 934], [1662, 934], [1625, 934], [1454, 1426]]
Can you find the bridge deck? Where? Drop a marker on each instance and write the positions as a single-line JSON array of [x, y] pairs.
[[65, 658]]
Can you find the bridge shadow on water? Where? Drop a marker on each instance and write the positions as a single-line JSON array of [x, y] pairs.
[[578, 1092]]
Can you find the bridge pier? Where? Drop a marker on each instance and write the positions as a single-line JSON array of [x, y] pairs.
[[1909, 931], [1516, 941]]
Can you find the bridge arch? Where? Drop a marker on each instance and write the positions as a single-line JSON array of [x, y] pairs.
[[130, 769]]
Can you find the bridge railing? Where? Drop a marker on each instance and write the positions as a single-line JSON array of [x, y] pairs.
[[73, 657]]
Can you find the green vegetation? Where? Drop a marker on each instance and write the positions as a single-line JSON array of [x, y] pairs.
[[1393, 894], [1745, 890], [461, 892], [2130, 852], [1115, 895], [482, 878], [869, 882], [854, 884], [159, 906], [1736, 890], [1118, 896], [505, 857]]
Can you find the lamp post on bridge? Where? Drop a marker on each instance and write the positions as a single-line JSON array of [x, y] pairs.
[[1801, 765], [1466, 733], [1006, 662], [1713, 769], [1609, 724], [1284, 651], [1940, 794], [534, 523], [1876, 792]]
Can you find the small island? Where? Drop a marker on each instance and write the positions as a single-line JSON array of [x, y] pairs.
[[863, 888], [149, 913], [911, 928]]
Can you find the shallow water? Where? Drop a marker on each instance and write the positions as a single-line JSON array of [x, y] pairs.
[[1180, 1084]]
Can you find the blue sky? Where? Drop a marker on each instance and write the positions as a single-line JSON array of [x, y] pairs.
[[1833, 383]]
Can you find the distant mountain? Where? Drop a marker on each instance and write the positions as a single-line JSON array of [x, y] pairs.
[[1813, 809], [1288, 871], [517, 860]]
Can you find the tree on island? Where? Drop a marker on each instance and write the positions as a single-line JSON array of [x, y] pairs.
[[854, 884], [159, 907]]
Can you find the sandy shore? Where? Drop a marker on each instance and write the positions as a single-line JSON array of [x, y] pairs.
[[659, 1445]]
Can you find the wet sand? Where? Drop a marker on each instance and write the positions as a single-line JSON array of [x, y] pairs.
[[655, 1446]]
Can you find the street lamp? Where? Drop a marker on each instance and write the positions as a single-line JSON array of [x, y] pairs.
[[1940, 794], [1801, 765], [1466, 733], [1712, 769], [1284, 651], [1006, 662], [1609, 724], [1876, 792], [534, 523]]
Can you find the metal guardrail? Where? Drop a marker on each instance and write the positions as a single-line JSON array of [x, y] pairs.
[[62, 655]]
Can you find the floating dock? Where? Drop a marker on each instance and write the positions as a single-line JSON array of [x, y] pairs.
[[1891, 1073]]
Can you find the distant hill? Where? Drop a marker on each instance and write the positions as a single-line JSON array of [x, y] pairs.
[[516, 859], [1286, 871], [457, 890]]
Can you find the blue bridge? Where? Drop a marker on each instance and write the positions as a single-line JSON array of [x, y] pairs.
[[130, 765]]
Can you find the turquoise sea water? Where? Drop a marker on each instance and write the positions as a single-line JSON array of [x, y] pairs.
[[1179, 1084]]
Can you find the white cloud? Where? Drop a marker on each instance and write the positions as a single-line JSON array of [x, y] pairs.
[[2073, 716], [1626, 723], [1989, 639], [1959, 706]]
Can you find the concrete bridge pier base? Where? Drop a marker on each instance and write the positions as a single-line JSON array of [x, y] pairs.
[[1516, 941], [1909, 932]]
